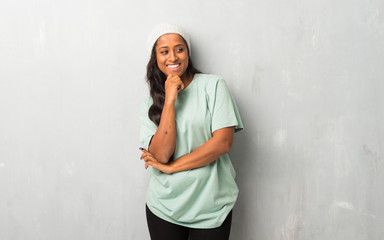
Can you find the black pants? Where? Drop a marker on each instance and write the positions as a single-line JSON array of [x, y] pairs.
[[160, 229]]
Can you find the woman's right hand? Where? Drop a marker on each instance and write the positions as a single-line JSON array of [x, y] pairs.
[[173, 85]]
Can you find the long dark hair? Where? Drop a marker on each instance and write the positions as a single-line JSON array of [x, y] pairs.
[[156, 80]]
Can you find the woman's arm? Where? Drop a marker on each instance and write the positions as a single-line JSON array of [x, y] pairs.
[[219, 144], [163, 143]]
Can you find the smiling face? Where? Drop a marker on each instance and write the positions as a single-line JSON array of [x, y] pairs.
[[172, 54]]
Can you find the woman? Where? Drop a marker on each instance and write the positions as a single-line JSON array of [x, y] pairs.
[[187, 128]]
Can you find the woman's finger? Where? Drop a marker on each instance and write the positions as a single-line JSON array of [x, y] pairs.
[[148, 158], [152, 164], [145, 156], [180, 86], [176, 80]]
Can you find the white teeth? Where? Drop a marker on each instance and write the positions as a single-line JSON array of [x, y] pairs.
[[173, 66]]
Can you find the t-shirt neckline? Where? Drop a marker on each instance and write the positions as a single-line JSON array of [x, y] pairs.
[[191, 84]]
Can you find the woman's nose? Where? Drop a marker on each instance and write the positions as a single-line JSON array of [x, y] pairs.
[[172, 56]]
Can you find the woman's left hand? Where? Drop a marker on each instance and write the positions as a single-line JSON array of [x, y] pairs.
[[150, 160]]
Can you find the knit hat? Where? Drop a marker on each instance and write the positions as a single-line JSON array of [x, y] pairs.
[[165, 28]]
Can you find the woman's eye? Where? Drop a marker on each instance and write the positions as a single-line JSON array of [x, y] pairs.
[[163, 52], [180, 49]]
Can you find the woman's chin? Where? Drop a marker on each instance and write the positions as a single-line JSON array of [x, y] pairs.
[[174, 74]]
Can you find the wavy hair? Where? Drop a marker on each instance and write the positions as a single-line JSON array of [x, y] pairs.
[[156, 81]]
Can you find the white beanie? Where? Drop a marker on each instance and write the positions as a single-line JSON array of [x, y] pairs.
[[165, 28]]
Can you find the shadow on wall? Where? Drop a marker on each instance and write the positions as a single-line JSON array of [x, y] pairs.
[[243, 159]]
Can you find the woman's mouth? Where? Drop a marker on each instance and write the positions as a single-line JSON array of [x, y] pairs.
[[173, 66]]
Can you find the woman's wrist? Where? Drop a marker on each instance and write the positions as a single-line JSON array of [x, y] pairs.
[[171, 168], [169, 102]]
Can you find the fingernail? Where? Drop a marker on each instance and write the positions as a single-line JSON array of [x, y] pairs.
[[141, 149]]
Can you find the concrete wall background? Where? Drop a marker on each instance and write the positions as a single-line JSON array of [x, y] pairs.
[[307, 77]]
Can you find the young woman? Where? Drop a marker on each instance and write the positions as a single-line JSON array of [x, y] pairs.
[[186, 128]]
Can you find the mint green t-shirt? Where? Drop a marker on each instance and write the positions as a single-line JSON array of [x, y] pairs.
[[202, 197]]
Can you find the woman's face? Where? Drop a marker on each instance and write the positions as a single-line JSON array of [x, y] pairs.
[[172, 54]]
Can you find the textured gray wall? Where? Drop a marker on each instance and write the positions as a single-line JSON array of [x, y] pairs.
[[307, 77]]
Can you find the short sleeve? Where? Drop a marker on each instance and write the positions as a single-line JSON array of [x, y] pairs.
[[225, 112], [147, 127]]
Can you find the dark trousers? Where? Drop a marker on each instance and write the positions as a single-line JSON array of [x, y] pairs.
[[160, 229]]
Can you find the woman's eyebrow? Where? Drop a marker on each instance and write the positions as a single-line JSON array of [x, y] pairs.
[[178, 45]]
